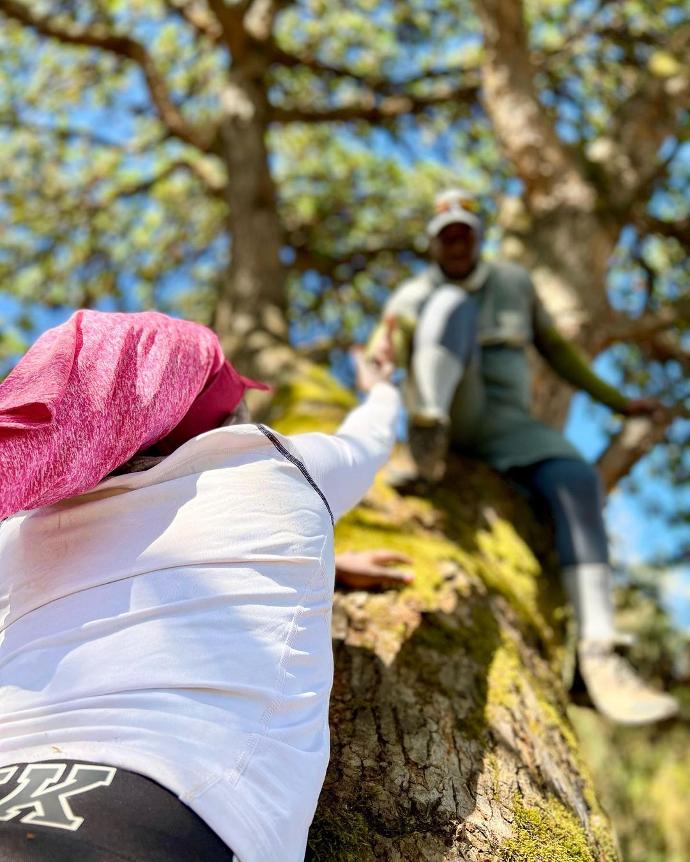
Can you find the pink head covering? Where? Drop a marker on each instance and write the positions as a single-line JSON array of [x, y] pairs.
[[101, 387]]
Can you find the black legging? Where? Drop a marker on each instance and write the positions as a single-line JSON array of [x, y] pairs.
[[103, 815], [569, 490]]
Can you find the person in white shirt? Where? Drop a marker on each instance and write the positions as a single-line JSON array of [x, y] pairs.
[[165, 646]]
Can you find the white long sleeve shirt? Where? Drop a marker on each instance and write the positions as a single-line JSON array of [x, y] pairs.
[[176, 623]]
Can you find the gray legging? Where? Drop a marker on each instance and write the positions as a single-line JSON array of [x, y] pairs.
[[567, 488]]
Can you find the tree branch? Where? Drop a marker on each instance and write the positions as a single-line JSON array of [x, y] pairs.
[[372, 109], [646, 328], [679, 230], [197, 16], [63, 133], [642, 124], [378, 83], [213, 185], [103, 39], [308, 259], [635, 439], [319, 351], [547, 167], [663, 347], [229, 17]]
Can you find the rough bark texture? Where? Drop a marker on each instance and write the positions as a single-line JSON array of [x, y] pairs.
[[251, 311], [450, 739]]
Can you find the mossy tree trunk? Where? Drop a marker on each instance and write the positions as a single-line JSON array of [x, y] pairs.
[[449, 734]]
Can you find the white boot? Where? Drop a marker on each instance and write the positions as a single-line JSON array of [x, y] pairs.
[[614, 687]]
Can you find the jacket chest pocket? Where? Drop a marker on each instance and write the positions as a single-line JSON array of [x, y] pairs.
[[511, 326]]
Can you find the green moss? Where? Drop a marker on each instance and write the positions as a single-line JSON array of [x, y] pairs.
[[364, 529], [312, 401], [498, 555], [545, 834], [338, 836]]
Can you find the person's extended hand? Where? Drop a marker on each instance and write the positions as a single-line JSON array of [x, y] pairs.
[[368, 570], [373, 366], [383, 352], [370, 372], [651, 407]]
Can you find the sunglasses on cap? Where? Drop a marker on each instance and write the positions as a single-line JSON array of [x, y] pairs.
[[457, 202]]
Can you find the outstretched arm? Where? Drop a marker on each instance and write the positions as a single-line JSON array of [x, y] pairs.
[[344, 464], [571, 364]]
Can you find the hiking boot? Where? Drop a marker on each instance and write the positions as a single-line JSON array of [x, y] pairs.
[[428, 444], [428, 441], [615, 688]]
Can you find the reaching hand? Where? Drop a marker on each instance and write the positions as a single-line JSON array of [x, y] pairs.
[[651, 407], [368, 570], [370, 372], [384, 347]]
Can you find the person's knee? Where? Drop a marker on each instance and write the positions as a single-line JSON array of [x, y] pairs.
[[571, 476], [448, 320]]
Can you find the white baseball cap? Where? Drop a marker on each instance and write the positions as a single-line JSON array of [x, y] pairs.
[[455, 206]]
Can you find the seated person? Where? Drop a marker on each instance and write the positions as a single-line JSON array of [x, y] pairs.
[[462, 327], [166, 580]]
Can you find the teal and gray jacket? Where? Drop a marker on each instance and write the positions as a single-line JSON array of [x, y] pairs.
[[491, 417]]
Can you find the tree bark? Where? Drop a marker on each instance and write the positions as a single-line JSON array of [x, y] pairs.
[[251, 314], [556, 230], [449, 735]]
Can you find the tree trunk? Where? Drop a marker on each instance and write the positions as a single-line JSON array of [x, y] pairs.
[[250, 316], [449, 734]]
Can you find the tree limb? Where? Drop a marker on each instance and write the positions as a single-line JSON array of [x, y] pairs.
[[229, 17], [103, 39], [643, 329], [635, 439], [213, 185], [643, 123], [663, 347], [197, 16], [679, 230], [372, 109], [527, 135], [63, 133], [381, 84], [306, 258], [319, 351]]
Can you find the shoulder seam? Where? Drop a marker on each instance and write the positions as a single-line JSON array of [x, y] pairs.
[[299, 464]]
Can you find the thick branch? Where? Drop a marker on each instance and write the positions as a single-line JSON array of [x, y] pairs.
[[373, 110], [635, 439], [101, 38], [229, 17], [526, 133]]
